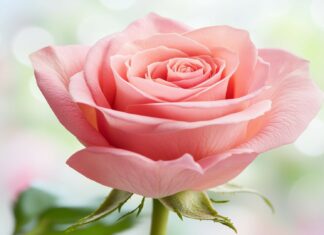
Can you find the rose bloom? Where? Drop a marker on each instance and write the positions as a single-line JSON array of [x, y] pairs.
[[162, 108]]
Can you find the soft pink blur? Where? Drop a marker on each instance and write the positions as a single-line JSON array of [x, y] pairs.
[[21, 166]]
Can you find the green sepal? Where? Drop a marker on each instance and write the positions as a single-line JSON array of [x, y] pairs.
[[218, 201], [233, 188], [115, 200], [195, 205], [139, 209]]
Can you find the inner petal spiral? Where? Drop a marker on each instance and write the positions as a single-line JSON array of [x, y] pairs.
[[183, 72]]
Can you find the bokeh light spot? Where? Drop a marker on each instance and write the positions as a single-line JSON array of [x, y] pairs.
[[311, 141], [317, 12], [28, 40], [95, 27], [118, 4]]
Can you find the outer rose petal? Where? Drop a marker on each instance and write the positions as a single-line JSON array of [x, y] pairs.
[[237, 41], [128, 171], [296, 100], [221, 168], [53, 68], [98, 73]]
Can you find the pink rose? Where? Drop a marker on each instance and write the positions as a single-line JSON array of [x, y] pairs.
[[162, 108]]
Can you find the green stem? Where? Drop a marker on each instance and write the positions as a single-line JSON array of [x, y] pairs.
[[159, 218]]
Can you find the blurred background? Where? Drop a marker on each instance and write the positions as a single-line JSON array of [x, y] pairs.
[[34, 146]]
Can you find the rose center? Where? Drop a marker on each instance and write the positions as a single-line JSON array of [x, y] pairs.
[[184, 65], [184, 72]]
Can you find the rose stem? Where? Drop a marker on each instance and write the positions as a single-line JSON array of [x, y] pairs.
[[159, 218]]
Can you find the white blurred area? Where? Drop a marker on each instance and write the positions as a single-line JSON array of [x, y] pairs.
[[34, 146]]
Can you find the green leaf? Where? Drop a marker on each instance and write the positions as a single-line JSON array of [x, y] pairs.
[[232, 189], [54, 220], [29, 205], [115, 200], [39, 213], [195, 205]]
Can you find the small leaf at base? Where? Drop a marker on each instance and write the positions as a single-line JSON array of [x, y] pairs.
[[116, 199]]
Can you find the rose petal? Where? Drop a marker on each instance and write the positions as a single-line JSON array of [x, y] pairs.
[[216, 88], [161, 91], [175, 76], [196, 111], [157, 70], [169, 140], [128, 171], [191, 79], [170, 40], [237, 41], [221, 168], [53, 68], [164, 82], [127, 93], [296, 100], [98, 73], [195, 78], [156, 179], [140, 61], [139, 90], [260, 75]]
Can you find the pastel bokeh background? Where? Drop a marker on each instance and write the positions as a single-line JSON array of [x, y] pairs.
[[34, 146]]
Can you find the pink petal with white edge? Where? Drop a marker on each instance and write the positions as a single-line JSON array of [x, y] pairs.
[[132, 172], [295, 98], [53, 68], [97, 66]]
